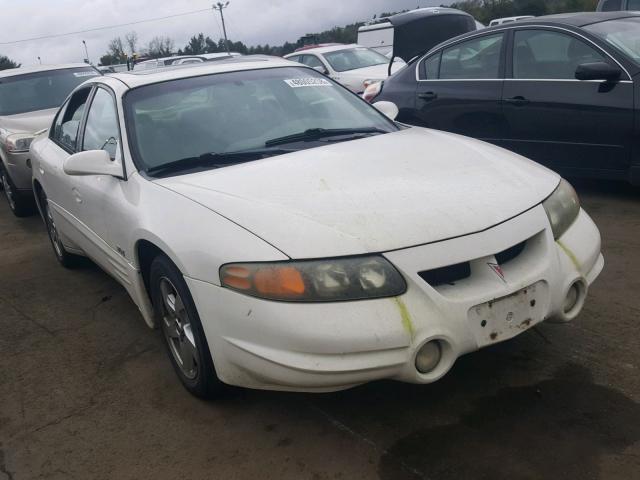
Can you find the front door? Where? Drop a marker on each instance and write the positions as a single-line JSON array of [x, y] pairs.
[[101, 200], [557, 120], [460, 88]]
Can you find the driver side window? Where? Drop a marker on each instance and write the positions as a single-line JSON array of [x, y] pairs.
[[544, 54], [101, 131]]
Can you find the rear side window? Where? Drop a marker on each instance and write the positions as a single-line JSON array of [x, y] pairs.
[[67, 124], [611, 5], [478, 58]]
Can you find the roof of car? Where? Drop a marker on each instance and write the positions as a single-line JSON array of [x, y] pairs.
[[579, 19], [330, 48], [135, 79], [39, 68]]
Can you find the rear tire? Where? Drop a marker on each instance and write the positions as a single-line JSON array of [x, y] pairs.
[[20, 204], [182, 330], [66, 259]]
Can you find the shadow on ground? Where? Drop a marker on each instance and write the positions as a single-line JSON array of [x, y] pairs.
[[556, 428]]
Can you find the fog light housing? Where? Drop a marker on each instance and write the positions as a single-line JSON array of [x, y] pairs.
[[571, 299], [428, 357]]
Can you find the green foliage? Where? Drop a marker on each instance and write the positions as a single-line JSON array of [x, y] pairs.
[[486, 10], [6, 63]]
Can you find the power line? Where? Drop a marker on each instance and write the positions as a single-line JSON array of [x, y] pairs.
[[45, 37]]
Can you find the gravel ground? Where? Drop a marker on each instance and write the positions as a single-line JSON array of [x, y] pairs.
[[87, 391]]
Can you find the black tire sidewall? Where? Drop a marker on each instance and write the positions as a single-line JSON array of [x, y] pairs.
[[206, 384], [23, 203]]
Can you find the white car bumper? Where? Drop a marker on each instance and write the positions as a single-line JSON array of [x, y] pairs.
[[324, 347]]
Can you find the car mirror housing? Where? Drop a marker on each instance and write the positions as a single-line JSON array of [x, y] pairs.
[[92, 162], [389, 109], [598, 71], [321, 69]]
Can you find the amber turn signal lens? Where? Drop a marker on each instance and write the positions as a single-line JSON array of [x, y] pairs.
[[283, 282]]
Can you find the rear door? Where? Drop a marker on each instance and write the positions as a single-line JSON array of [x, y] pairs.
[[460, 88], [557, 120]]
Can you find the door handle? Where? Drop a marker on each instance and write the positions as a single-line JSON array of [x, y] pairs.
[[428, 96], [518, 101]]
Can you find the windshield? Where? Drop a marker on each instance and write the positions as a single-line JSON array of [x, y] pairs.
[[623, 34], [353, 58], [239, 111], [40, 90]]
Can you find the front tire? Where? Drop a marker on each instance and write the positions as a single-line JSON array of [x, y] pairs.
[[66, 259], [182, 331], [20, 205]]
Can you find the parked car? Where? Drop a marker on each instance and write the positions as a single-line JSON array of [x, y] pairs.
[[502, 21], [353, 66], [284, 234], [29, 98], [558, 90], [617, 5]]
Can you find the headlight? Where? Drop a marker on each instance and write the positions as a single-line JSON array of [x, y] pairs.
[[562, 207], [19, 142], [329, 280]]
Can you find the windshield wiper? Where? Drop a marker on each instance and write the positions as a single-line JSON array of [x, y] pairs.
[[216, 160], [318, 133]]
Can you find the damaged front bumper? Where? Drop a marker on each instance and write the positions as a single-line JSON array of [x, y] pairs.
[[463, 294]]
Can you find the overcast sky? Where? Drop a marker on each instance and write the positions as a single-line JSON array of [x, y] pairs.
[[251, 21]]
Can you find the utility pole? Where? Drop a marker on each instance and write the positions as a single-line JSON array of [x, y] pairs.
[[86, 52], [219, 7]]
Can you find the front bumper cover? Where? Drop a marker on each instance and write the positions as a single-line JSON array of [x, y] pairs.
[[326, 347]]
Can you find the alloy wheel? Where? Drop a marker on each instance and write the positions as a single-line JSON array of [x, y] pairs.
[[52, 230], [178, 330]]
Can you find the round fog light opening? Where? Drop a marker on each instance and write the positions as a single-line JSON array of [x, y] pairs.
[[571, 300], [428, 357]]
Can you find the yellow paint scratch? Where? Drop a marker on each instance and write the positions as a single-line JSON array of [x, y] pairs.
[[570, 254], [405, 315]]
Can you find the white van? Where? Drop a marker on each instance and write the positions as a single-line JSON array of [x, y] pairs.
[[377, 36]]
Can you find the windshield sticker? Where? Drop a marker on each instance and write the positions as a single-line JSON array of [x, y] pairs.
[[308, 82], [85, 74]]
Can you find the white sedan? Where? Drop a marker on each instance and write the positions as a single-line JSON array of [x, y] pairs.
[[284, 234], [354, 66]]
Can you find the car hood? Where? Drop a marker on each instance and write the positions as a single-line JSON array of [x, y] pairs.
[[376, 194], [28, 122]]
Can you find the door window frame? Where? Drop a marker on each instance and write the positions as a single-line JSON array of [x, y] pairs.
[[507, 58], [83, 124]]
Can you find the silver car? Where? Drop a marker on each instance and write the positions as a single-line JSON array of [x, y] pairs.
[[29, 99]]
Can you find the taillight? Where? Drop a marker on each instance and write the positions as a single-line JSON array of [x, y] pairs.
[[372, 91]]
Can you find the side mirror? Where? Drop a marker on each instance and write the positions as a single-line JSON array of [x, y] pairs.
[[92, 162], [389, 109], [321, 69], [598, 71]]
